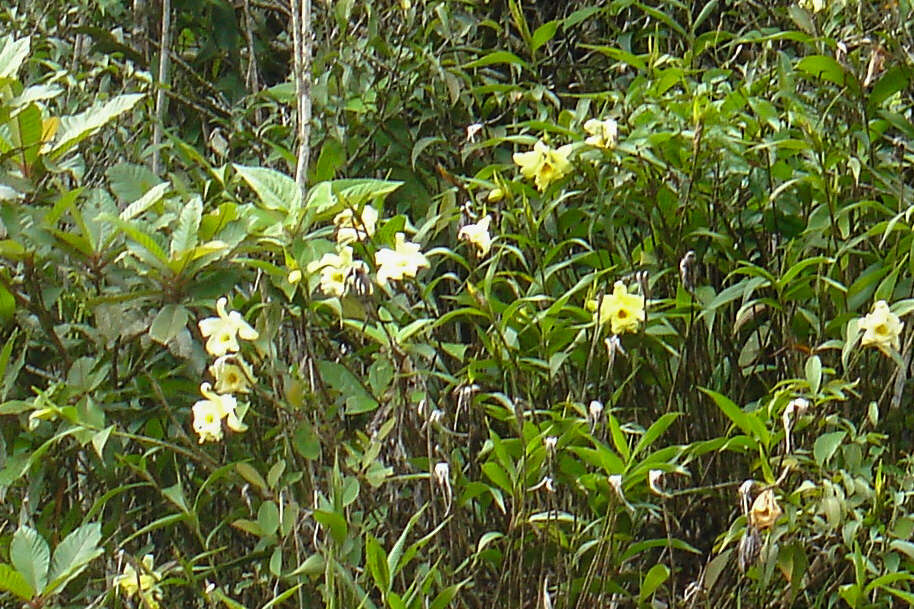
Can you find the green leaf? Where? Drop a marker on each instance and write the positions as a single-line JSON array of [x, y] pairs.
[[268, 518], [275, 190], [826, 68], [747, 422], [496, 57], [170, 320], [150, 198], [130, 182], [543, 34], [894, 80], [333, 522], [12, 54], [185, 235], [74, 129], [30, 556], [655, 431], [826, 445], [357, 398], [247, 471], [144, 240], [74, 553], [814, 373], [654, 578], [13, 581], [376, 559]]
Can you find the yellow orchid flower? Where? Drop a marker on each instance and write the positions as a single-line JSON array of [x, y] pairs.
[[603, 134], [232, 374], [544, 164], [349, 230], [882, 328], [404, 260], [478, 235], [624, 311], [223, 331]]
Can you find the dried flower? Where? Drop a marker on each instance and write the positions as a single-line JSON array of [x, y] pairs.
[[765, 510]]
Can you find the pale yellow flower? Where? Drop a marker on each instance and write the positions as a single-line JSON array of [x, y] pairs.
[[208, 415], [294, 276], [404, 260], [813, 5], [145, 583], [348, 229], [223, 331], [478, 235], [765, 510], [495, 195], [624, 311], [232, 374], [882, 328], [335, 270], [544, 164], [603, 134]]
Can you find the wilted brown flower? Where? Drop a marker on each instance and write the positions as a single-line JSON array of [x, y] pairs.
[[765, 510]]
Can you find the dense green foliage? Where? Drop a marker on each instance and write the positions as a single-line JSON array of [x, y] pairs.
[[705, 288]]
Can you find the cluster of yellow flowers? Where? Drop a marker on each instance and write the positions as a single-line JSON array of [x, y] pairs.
[[338, 269], [545, 165], [231, 373], [145, 584]]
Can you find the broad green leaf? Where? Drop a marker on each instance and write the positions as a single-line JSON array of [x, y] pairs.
[[170, 320], [26, 130], [30, 556], [543, 34], [654, 578], [247, 471], [74, 553], [895, 79], [12, 580], [826, 445], [826, 68], [334, 523], [338, 377], [143, 239], [268, 518], [12, 54], [74, 129], [276, 190], [130, 182]]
